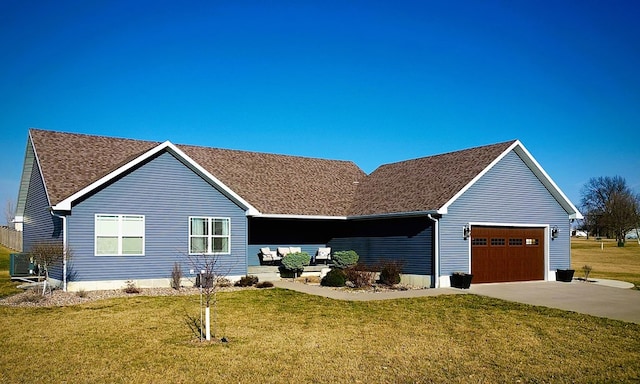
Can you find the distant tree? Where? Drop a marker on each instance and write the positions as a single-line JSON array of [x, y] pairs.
[[610, 205], [9, 213]]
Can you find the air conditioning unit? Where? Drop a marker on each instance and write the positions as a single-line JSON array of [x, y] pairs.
[[19, 265]]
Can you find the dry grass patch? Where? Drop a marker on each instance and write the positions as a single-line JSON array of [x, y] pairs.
[[608, 260], [7, 287], [278, 336]]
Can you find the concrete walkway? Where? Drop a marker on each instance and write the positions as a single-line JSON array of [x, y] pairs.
[[606, 298]]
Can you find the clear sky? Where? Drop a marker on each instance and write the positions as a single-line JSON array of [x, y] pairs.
[[373, 82]]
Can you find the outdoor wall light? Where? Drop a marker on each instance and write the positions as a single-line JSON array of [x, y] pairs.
[[554, 232], [466, 231]]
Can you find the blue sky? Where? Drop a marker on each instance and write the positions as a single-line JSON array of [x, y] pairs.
[[372, 82]]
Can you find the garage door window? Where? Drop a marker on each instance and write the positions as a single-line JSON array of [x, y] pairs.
[[514, 242], [532, 241], [497, 242], [479, 241]]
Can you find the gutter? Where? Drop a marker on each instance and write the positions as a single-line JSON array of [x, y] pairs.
[[64, 249], [436, 256]]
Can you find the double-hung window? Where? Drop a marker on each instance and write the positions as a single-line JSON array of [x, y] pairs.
[[118, 235], [209, 235]]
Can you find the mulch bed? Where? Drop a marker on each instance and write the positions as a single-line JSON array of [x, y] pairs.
[[58, 298]]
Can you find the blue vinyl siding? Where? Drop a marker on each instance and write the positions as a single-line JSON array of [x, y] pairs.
[[39, 224], [409, 240], [509, 193], [166, 192]]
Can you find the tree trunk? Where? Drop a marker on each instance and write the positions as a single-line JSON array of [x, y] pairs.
[[207, 319]]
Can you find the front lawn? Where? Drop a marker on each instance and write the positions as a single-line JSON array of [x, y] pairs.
[[278, 336]]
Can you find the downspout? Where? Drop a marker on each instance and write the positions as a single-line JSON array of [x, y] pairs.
[[64, 249], [436, 256]]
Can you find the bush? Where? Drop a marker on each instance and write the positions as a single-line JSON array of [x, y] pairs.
[[344, 259], [247, 281], [335, 278], [176, 276], [131, 287], [264, 284], [296, 261], [30, 296], [390, 272], [360, 276]]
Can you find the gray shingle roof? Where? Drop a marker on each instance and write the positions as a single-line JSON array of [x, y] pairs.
[[274, 184]]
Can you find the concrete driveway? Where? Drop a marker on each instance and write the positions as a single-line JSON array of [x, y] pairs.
[[608, 300], [604, 298]]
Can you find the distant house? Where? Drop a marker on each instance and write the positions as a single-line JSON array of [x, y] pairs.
[[129, 209]]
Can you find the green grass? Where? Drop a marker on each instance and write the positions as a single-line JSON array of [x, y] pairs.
[[7, 288], [607, 259], [279, 336]]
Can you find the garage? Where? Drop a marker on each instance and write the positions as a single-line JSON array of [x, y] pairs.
[[502, 254]]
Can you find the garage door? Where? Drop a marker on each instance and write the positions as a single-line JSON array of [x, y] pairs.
[[501, 254]]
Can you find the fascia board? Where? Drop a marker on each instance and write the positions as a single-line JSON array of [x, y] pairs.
[[65, 205], [444, 209], [394, 214], [250, 210], [535, 168], [302, 217], [30, 156], [556, 192]]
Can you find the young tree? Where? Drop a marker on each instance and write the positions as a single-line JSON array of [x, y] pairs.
[[610, 204], [212, 275], [46, 254]]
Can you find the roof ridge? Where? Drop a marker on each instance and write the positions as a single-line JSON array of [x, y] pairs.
[[279, 155], [485, 146]]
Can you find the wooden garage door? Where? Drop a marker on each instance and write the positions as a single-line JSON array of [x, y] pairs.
[[500, 254]]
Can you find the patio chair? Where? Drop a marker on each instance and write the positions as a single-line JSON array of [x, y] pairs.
[[323, 253], [295, 249], [266, 255], [283, 251]]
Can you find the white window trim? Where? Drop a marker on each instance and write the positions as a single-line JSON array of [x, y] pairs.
[[120, 235], [210, 236]]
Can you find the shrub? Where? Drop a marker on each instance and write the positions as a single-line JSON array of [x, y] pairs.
[[247, 281], [390, 272], [264, 284], [360, 276], [335, 278], [223, 282], [587, 270], [344, 259], [296, 261], [131, 287], [176, 276], [30, 296], [82, 293]]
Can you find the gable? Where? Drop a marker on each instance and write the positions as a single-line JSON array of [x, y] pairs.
[[422, 185], [272, 185], [75, 164]]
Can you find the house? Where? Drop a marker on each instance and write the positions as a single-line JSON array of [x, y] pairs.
[[129, 209]]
